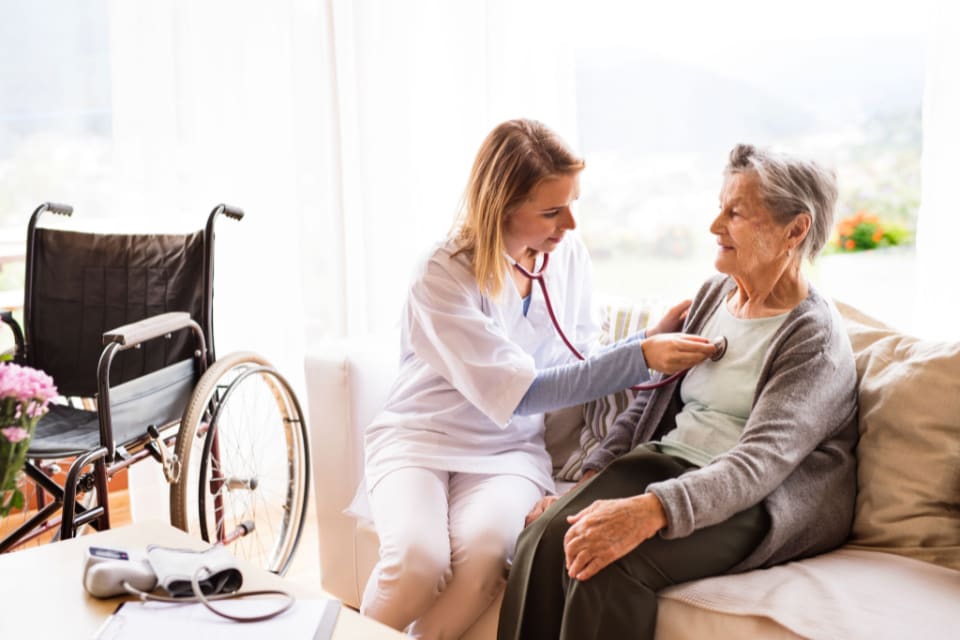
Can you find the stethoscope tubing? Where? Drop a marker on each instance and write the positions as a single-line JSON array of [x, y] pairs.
[[538, 278]]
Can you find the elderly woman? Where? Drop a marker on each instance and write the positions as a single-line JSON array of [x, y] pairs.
[[748, 462]]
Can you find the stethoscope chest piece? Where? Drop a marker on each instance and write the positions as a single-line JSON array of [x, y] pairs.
[[720, 343]]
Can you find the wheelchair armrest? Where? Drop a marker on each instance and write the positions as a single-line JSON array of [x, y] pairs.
[[129, 336], [148, 328]]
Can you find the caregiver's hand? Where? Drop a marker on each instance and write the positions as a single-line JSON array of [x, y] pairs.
[[547, 501], [672, 320], [542, 505], [607, 530], [672, 352]]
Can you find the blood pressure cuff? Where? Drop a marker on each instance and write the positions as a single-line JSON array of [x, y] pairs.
[[216, 570]]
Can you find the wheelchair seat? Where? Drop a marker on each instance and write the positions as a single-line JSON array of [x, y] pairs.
[[68, 431], [65, 431]]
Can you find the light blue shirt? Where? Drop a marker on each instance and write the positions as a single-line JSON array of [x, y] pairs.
[[718, 396]]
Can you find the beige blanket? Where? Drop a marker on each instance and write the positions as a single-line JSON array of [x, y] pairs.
[[846, 594]]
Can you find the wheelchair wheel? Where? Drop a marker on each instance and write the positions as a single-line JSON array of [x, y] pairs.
[[244, 475]]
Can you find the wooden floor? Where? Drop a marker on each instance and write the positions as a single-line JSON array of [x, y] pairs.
[[119, 515]]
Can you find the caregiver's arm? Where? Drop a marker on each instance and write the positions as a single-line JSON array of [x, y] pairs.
[[612, 370]]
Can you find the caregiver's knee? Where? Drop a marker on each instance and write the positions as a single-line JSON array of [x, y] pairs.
[[420, 566]]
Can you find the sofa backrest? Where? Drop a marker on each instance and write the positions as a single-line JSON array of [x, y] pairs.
[[908, 497]]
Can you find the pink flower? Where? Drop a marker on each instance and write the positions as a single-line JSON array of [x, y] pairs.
[[25, 384], [15, 434]]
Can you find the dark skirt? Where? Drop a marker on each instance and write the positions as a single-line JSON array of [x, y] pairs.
[[542, 601]]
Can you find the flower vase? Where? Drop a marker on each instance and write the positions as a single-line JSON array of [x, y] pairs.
[[24, 395]]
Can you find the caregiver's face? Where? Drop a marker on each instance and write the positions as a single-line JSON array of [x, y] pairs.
[[749, 239], [539, 223]]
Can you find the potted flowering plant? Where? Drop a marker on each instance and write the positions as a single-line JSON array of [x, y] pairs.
[[24, 395], [864, 230]]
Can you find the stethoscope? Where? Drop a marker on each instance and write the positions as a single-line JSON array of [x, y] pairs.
[[720, 343]]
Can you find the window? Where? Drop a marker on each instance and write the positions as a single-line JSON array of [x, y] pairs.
[[664, 93], [55, 120], [55, 114]]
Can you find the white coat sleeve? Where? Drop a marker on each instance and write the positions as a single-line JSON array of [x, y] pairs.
[[469, 349]]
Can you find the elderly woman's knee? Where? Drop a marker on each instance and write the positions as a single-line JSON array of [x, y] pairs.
[[608, 584]]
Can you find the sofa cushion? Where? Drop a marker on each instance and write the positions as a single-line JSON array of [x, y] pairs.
[[562, 435], [908, 498], [617, 320], [847, 593]]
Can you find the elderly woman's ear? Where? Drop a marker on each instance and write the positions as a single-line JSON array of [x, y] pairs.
[[797, 230]]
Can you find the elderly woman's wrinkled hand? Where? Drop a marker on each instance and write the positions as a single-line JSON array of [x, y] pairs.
[[607, 530], [672, 320]]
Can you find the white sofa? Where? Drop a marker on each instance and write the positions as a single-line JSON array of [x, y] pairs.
[[898, 577]]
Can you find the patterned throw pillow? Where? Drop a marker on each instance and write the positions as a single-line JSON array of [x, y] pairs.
[[618, 320]]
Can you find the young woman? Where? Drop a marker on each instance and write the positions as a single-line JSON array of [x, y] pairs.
[[456, 459]]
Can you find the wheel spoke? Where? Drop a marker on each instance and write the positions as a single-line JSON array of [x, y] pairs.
[[258, 469]]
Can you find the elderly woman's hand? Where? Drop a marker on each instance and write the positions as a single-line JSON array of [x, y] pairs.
[[672, 320], [607, 530]]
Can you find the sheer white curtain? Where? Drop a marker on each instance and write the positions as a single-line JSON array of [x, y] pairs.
[[224, 101], [938, 233], [418, 85], [344, 128]]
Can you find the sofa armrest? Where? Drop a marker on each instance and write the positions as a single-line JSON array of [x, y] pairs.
[[347, 384]]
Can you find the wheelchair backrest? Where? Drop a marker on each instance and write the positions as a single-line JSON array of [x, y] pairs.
[[83, 284]]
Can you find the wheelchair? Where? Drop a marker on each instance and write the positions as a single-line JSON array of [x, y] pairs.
[[124, 325]]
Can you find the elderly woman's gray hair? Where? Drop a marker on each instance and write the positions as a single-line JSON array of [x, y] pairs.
[[790, 186]]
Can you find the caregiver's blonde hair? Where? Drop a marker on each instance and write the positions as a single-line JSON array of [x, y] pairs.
[[514, 158]]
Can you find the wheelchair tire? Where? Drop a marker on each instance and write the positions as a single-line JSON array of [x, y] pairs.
[[243, 453]]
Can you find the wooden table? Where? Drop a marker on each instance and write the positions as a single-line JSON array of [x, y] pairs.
[[41, 591]]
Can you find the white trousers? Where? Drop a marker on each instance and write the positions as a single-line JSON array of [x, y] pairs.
[[445, 539]]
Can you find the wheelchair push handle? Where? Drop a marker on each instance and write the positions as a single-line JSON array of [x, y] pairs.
[[235, 213], [59, 208]]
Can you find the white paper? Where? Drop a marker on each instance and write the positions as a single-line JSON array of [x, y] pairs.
[[311, 619]]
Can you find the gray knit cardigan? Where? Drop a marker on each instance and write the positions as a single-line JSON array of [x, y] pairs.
[[796, 452]]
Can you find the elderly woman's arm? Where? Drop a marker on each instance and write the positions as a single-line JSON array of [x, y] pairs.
[[809, 397], [620, 436]]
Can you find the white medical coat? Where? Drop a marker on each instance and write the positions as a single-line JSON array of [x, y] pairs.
[[466, 362]]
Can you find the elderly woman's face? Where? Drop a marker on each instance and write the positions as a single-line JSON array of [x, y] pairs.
[[748, 237]]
